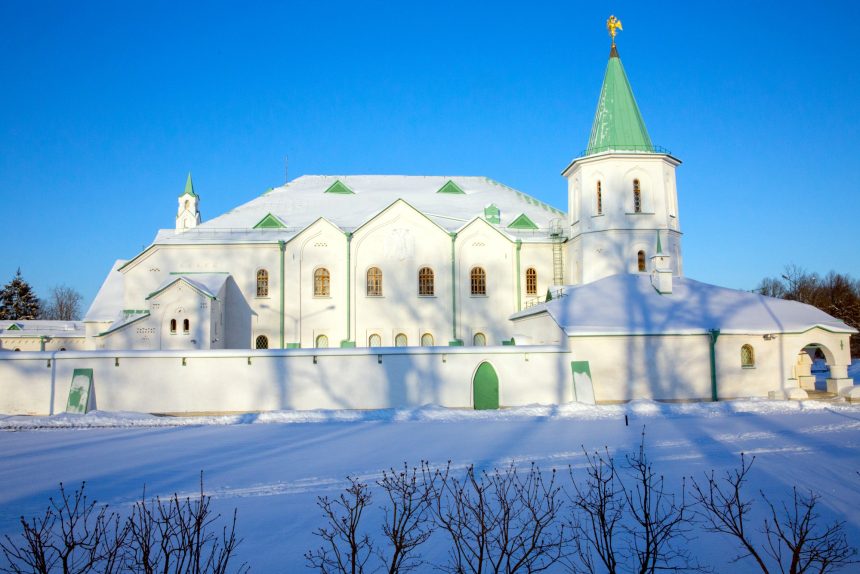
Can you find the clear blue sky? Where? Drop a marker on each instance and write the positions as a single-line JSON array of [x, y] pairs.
[[104, 108]]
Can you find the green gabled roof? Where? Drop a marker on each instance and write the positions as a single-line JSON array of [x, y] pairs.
[[270, 222], [339, 187], [618, 125], [13, 327], [522, 222], [189, 187], [450, 187]]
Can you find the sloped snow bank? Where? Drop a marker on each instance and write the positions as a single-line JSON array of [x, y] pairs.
[[638, 409]]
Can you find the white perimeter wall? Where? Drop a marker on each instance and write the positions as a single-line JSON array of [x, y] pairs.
[[225, 381]]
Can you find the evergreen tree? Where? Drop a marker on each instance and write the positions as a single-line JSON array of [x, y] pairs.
[[17, 300]]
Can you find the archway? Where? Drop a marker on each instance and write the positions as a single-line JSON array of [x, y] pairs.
[[485, 387], [813, 368]]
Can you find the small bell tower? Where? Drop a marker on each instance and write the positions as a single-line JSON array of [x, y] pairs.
[[188, 213]]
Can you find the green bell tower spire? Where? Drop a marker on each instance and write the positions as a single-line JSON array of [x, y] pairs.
[[618, 125]]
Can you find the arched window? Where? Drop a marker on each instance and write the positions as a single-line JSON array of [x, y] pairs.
[[261, 342], [479, 340], [426, 340], [531, 281], [187, 203], [173, 325], [374, 341], [599, 198], [322, 342], [400, 340], [322, 282], [374, 282], [426, 282], [62, 348], [479, 281], [262, 283], [640, 261], [747, 356], [17, 350], [186, 325], [637, 197]]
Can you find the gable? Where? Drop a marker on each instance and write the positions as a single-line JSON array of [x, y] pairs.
[[451, 187]]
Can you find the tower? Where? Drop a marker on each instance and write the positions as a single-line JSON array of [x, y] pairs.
[[188, 213], [621, 191]]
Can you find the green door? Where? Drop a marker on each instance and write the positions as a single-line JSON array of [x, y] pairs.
[[485, 387]]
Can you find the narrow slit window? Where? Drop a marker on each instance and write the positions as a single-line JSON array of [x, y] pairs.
[[173, 325], [531, 281], [374, 282], [637, 197], [479, 281], [186, 325], [599, 198], [640, 261]]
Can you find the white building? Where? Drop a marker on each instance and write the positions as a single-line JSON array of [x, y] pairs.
[[367, 261]]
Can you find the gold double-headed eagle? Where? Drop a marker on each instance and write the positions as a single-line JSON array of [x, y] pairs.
[[613, 25]]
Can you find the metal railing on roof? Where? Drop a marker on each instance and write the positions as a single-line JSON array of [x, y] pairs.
[[625, 148], [532, 301]]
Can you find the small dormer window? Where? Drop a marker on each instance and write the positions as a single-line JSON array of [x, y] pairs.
[[637, 197]]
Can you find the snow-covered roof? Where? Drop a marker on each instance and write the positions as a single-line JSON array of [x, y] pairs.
[[108, 304], [629, 304], [208, 284], [302, 201], [41, 328]]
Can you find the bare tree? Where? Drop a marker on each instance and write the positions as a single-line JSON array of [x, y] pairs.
[[74, 536], [500, 521], [795, 540], [63, 304], [345, 549], [408, 518]]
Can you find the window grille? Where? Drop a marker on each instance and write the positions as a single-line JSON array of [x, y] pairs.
[[479, 340], [479, 281], [531, 281], [374, 282], [747, 356], [637, 197], [426, 282], [322, 283], [262, 283], [261, 342]]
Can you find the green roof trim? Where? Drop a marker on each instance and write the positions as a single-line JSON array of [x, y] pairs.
[[270, 222], [339, 187], [13, 327], [618, 125], [522, 222], [492, 214], [189, 187], [451, 187]]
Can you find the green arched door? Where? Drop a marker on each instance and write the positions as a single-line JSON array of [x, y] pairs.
[[485, 387]]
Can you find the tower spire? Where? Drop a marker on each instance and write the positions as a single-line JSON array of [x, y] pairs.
[[618, 125]]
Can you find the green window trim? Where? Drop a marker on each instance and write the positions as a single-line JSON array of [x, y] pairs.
[[270, 222], [340, 188], [522, 222], [451, 187]]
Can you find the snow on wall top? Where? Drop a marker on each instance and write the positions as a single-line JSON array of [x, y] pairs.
[[629, 304], [209, 284], [107, 305], [40, 328], [304, 200]]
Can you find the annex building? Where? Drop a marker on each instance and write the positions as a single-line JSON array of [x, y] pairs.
[[469, 292]]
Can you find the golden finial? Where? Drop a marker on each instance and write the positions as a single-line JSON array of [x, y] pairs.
[[613, 24]]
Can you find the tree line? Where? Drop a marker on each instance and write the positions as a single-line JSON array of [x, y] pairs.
[[616, 515], [18, 300], [836, 294]]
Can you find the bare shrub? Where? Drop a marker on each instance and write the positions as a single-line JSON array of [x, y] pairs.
[[408, 519], [73, 536], [628, 521], [501, 521], [792, 538], [345, 549]]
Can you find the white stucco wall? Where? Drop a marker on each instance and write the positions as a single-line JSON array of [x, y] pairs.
[[225, 381]]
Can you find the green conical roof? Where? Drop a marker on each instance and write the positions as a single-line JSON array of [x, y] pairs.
[[189, 187], [617, 123]]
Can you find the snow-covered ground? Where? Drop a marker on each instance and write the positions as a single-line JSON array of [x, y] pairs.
[[272, 466]]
